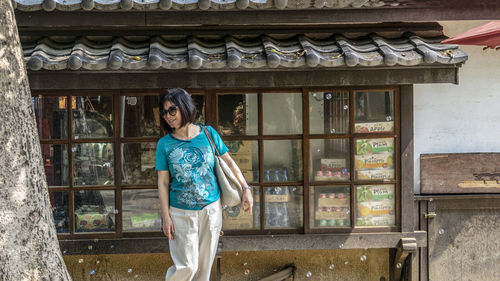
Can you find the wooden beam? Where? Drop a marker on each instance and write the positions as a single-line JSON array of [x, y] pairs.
[[86, 80], [406, 97], [454, 10], [425, 29], [247, 243], [470, 197]]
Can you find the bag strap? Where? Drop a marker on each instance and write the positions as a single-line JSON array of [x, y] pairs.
[[214, 148]]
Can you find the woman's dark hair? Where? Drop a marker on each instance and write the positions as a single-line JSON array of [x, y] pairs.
[[182, 99]]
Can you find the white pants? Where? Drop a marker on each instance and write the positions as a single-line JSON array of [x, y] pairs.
[[195, 242]]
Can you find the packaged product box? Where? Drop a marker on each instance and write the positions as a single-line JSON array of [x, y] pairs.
[[333, 222], [243, 160], [278, 198], [366, 193], [375, 208], [333, 202], [236, 218], [374, 146], [243, 147], [388, 220], [373, 161], [337, 176], [248, 175], [371, 127], [319, 215], [333, 164], [375, 174], [91, 220], [145, 220], [256, 196]]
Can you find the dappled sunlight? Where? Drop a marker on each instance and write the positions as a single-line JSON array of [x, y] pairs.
[[8, 218], [19, 190], [11, 56]]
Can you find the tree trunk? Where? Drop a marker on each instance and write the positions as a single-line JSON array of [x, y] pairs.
[[29, 249]]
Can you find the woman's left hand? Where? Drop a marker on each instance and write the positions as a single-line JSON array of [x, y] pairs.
[[247, 201]]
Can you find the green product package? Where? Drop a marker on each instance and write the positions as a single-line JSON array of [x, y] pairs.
[[374, 193], [144, 219], [374, 146]]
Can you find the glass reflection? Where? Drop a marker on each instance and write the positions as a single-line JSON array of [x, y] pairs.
[[329, 112], [94, 210], [199, 102], [330, 206], [139, 116], [282, 113], [55, 163], [375, 205], [93, 164], [238, 114], [246, 155], [283, 157], [51, 117], [373, 111], [93, 117], [237, 219], [138, 163], [283, 206], [374, 159], [141, 210], [60, 210], [329, 160]]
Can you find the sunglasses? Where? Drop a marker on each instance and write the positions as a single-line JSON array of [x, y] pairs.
[[172, 111]]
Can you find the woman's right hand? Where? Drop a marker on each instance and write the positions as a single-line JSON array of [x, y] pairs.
[[168, 228]]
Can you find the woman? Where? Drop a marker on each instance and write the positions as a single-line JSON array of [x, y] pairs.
[[190, 204]]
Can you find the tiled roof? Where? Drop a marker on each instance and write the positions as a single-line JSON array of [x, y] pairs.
[[259, 52], [107, 5]]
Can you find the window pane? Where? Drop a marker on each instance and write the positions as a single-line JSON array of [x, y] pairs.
[[329, 112], [60, 210], [283, 206], [238, 114], [256, 207], [139, 116], [199, 102], [246, 155], [94, 210], [330, 206], [55, 162], [92, 117], [374, 111], [282, 113], [141, 210], [374, 159], [138, 163], [51, 117], [329, 160], [283, 160], [93, 164], [237, 219], [375, 205]]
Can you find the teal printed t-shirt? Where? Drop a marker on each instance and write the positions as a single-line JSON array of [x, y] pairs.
[[191, 165]]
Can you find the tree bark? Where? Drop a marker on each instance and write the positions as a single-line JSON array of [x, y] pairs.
[[29, 249]]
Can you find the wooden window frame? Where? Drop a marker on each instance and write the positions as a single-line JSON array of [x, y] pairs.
[[306, 183], [211, 118]]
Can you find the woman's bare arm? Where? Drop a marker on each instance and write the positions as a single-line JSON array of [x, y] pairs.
[[163, 192]]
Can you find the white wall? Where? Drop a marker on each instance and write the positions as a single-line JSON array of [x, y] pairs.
[[460, 118]]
